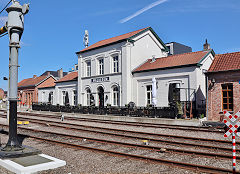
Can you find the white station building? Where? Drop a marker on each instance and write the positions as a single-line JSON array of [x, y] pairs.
[[119, 70], [105, 68]]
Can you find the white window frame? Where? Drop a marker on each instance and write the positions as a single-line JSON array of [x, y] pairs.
[[63, 97], [149, 95], [101, 66], [88, 68], [51, 93], [115, 94], [115, 63], [75, 97], [88, 95]]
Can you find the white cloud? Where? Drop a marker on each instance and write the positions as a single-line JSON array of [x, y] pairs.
[[142, 10]]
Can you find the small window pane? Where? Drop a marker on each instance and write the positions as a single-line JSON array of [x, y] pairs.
[[224, 93], [224, 100], [224, 86], [224, 106], [230, 94]]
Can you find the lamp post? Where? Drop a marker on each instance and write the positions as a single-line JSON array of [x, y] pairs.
[[15, 27]]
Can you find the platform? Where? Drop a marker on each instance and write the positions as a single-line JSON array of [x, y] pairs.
[[31, 164]]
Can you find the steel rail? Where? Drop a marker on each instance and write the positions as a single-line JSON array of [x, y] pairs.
[[189, 166], [179, 127], [134, 137], [137, 132], [156, 148]]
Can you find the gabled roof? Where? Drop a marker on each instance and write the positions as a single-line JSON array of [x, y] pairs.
[[31, 82], [225, 62], [127, 36], [174, 61], [69, 77]]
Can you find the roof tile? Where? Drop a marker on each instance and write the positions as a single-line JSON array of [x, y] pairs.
[[112, 40], [173, 61], [225, 62], [69, 77], [31, 81]]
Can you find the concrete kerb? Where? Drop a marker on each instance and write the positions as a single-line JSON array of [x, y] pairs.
[[192, 122]]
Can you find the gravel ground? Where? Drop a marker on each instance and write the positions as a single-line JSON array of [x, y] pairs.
[[92, 162], [86, 162], [128, 140], [169, 156]]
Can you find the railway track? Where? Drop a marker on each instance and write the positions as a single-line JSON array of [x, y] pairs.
[[195, 167], [122, 133], [151, 125]]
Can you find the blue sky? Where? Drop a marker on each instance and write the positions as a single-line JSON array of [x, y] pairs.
[[54, 29]]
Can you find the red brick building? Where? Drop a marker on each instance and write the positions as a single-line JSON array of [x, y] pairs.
[[223, 85], [28, 88], [1, 93]]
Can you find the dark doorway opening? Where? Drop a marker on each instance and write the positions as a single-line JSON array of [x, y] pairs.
[[101, 96]]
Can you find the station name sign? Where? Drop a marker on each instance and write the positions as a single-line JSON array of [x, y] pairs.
[[100, 79]]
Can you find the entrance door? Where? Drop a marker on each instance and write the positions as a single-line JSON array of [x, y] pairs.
[[101, 96]]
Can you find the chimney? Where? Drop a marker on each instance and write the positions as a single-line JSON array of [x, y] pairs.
[[153, 58], [34, 76], [60, 73], [206, 46], [48, 73]]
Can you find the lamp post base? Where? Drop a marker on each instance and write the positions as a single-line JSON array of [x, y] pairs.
[[15, 152]]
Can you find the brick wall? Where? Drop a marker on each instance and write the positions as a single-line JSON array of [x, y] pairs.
[[28, 95], [215, 93], [1, 93]]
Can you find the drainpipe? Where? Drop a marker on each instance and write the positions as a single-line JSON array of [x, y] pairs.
[[207, 96], [206, 79]]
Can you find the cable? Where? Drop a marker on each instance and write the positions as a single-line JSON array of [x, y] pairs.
[[6, 6], [3, 35]]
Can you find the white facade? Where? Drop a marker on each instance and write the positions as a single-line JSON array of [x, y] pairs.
[[191, 80], [58, 93], [66, 88], [46, 94], [104, 86]]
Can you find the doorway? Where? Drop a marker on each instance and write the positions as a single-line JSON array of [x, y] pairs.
[[100, 97]]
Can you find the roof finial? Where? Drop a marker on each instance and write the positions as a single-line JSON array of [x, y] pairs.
[[86, 38]]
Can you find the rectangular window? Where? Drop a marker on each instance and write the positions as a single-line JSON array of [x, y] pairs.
[[75, 97], [227, 97], [115, 96], [149, 94], [63, 97], [101, 67], [115, 64], [88, 63], [50, 98]]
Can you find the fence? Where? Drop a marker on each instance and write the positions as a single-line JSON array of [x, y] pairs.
[[153, 112]]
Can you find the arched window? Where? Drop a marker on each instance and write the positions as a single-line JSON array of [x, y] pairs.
[[115, 96], [88, 97]]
